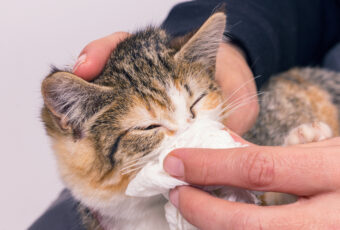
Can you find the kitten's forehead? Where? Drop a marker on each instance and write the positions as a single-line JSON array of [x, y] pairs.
[[140, 59], [142, 65]]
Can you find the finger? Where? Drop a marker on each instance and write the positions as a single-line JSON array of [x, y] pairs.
[[301, 171], [94, 56], [208, 212]]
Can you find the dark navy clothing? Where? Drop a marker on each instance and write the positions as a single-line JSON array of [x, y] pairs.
[[62, 214], [275, 35]]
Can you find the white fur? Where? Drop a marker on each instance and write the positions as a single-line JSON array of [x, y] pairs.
[[310, 132]]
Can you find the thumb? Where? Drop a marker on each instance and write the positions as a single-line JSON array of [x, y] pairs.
[[93, 57]]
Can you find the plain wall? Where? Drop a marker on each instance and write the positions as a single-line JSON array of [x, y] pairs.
[[33, 35]]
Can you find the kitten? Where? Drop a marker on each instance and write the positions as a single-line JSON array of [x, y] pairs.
[[298, 106], [149, 89]]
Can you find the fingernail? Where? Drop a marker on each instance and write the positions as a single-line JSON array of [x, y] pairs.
[[81, 59], [173, 196], [174, 166]]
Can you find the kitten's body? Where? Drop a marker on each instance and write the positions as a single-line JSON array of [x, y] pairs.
[[297, 97], [149, 91]]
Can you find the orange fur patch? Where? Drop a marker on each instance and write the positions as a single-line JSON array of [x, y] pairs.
[[80, 166], [323, 108], [211, 101], [320, 102]]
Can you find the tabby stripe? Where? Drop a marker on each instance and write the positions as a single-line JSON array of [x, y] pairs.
[[114, 148], [164, 63]]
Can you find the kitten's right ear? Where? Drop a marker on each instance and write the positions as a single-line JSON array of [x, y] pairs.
[[203, 45], [72, 100]]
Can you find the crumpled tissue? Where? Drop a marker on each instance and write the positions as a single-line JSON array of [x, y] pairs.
[[152, 180]]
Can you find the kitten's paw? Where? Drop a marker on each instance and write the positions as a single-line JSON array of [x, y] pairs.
[[275, 198], [306, 133]]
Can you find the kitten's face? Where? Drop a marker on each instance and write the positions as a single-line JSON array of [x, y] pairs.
[[148, 93]]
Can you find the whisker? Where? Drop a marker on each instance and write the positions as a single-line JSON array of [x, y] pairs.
[[222, 104], [130, 171], [136, 164], [130, 163], [243, 85], [246, 101], [240, 100], [245, 98], [236, 107], [140, 161], [134, 167], [130, 166]]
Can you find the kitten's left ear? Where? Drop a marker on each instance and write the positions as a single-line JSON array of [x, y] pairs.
[[203, 45], [72, 100]]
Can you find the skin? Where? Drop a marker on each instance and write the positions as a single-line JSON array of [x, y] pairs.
[[310, 171]]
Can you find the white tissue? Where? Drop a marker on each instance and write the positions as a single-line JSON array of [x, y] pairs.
[[153, 180]]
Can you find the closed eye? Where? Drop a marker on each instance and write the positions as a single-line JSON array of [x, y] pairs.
[[195, 102], [150, 127], [153, 126]]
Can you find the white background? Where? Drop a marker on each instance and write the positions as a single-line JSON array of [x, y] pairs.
[[33, 35]]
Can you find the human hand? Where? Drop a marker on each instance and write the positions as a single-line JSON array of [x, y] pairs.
[[310, 171], [238, 85], [232, 73], [94, 56]]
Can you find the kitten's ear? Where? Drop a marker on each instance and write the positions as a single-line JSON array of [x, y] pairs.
[[203, 45], [72, 100]]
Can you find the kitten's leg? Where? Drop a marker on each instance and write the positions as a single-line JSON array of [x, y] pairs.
[[306, 133], [276, 198]]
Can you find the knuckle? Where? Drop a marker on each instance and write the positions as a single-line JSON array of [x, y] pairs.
[[259, 168]]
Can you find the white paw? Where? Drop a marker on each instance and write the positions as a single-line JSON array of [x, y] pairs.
[[306, 133]]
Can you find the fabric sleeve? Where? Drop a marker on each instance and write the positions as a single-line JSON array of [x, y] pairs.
[[275, 35], [62, 214]]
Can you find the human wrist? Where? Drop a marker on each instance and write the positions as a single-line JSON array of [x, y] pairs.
[[237, 83]]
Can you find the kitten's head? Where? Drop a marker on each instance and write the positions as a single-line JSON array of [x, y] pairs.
[[147, 93]]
